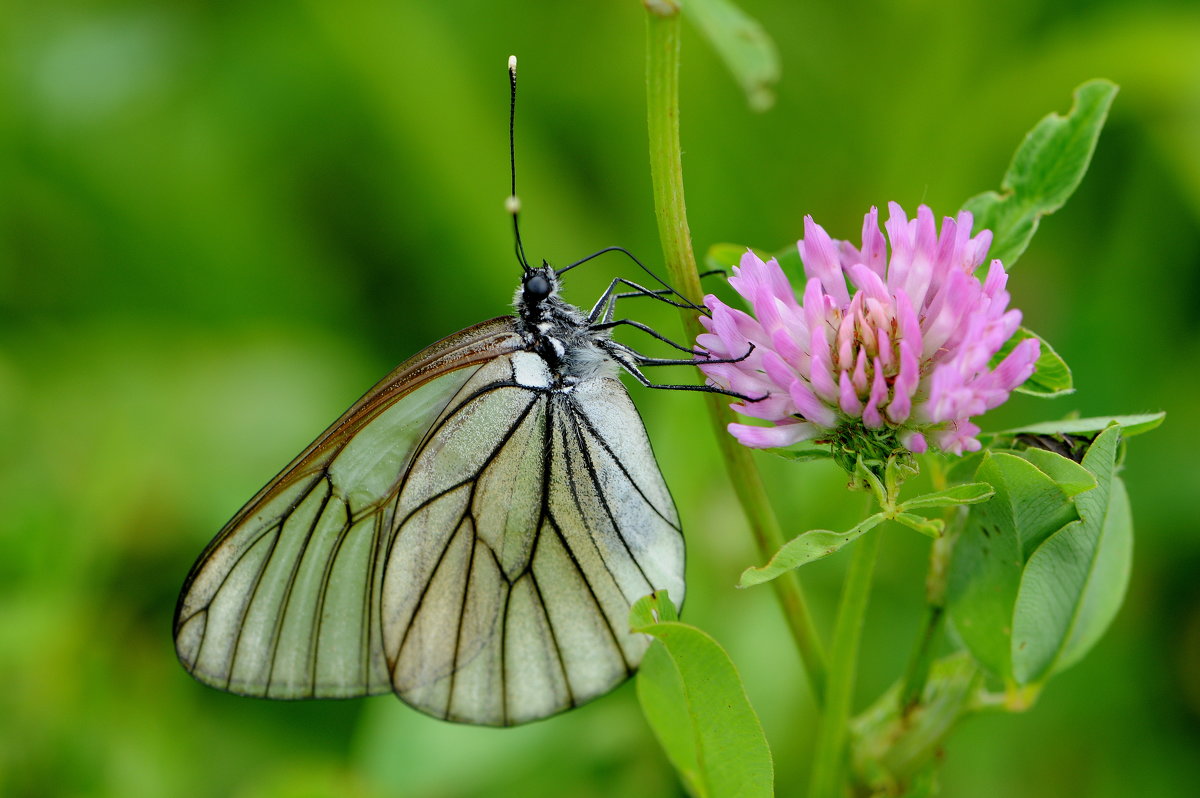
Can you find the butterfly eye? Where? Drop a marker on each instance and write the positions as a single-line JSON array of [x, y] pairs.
[[537, 288]]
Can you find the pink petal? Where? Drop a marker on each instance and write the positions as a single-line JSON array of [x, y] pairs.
[[901, 238], [787, 347], [735, 327], [848, 399], [914, 442], [772, 437], [746, 275], [910, 326], [776, 407], [1017, 367], [948, 309], [920, 272], [958, 437], [778, 370], [948, 244], [904, 386], [821, 260], [860, 372], [963, 251], [993, 286], [845, 344], [780, 285], [757, 281], [976, 250], [810, 407], [868, 282], [874, 251], [767, 309], [883, 345], [820, 372], [879, 395]]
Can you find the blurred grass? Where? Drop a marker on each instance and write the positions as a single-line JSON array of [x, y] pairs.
[[219, 223]]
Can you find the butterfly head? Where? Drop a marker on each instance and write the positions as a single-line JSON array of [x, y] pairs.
[[537, 286]]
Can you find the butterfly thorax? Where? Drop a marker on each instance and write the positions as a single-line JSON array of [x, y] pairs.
[[558, 331]]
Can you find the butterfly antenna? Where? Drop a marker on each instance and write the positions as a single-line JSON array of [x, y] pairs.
[[513, 203]]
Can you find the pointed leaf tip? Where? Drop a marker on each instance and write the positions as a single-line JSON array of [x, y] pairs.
[[1045, 171], [810, 546], [743, 44]]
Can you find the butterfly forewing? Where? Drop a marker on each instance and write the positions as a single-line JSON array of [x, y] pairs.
[[285, 601]]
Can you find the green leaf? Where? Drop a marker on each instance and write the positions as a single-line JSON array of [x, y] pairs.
[[1130, 426], [1051, 376], [1075, 581], [1045, 171], [664, 703], [971, 493], [1070, 476], [742, 44], [989, 554], [694, 700], [805, 548], [724, 256], [930, 527], [654, 608], [962, 469]]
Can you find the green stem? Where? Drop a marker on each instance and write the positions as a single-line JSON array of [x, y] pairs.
[[828, 774], [916, 675], [666, 173]]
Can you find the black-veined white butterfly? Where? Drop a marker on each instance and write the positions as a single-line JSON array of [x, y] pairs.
[[469, 535]]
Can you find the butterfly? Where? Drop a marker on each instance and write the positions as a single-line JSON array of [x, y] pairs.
[[469, 535]]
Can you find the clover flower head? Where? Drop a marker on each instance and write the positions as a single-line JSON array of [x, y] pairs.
[[887, 350]]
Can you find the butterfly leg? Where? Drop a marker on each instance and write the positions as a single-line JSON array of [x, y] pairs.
[[633, 362], [646, 360], [609, 298], [606, 305], [664, 291], [608, 325]]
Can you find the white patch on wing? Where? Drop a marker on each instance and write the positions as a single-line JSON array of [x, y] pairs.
[[530, 370]]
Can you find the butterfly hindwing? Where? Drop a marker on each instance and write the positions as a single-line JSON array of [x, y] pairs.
[[517, 556]]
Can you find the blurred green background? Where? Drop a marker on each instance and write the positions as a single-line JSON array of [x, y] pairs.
[[221, 222]]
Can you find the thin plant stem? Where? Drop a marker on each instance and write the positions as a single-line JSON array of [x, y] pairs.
[[829, 758], [916, 675], [666, 172]]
